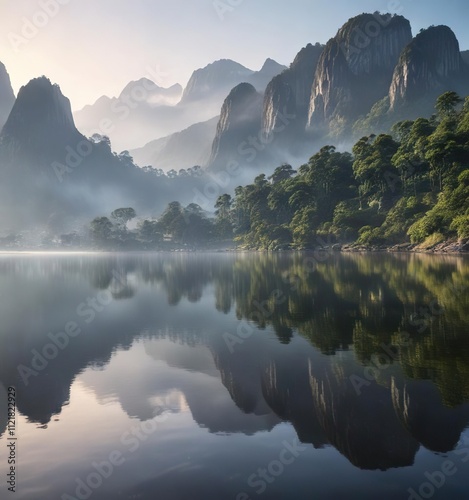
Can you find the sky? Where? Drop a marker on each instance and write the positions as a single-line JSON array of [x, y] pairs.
[[95, 47]]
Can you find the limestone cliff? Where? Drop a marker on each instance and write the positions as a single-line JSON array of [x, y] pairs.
[[240, 121], [7, 97], [429, 65], [355, 70], [287, 97]]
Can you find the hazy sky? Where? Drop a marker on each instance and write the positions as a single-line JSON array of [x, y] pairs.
[[95, 47]]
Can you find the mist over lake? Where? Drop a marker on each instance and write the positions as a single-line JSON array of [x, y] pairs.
[[236, 375]]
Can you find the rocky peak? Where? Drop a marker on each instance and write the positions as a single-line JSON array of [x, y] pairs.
[[145, 90], [356, 68], [7, 96], [218, 77], [271, 66], [269, 70], [289, 93], [40, 104], [41, 121], [239, 120], [430, 63]]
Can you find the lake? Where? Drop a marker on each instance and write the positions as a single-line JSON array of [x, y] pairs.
[[234, 376]]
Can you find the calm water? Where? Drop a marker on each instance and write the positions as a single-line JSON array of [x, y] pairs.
[[236, 377]]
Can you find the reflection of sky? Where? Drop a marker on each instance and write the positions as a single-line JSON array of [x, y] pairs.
[[162, 374], [181, 459], [207, 446]]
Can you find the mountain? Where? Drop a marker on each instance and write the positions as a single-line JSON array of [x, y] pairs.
[[430, 65], [181, 150], [239, 124], [141, 112], [356, 69], [465, 56], [144, 90], [260, 79], [217, 78], [40, 122], [7, 96], [145, 112], [60, 176], [289, 93]]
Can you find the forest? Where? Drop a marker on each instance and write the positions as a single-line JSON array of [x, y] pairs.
[[408, 186]]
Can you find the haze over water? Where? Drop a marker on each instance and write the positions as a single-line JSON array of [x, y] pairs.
[[237, 376]]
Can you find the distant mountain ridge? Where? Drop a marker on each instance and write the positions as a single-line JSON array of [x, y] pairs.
[[139, 116], [181, 150], [59, 175]]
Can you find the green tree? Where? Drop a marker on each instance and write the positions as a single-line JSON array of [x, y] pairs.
[[224, 225], [123, 215], [282, 173], [446, 104], [101, 229]]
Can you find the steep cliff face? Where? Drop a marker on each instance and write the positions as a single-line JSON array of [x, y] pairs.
[[240, 120], [430, 64], [41, 114], [465, 56], [269, 70], [7, 97], [289, 94], [356, 68], [422, 412]]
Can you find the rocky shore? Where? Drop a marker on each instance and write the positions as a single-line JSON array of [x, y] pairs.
[[445, 247]]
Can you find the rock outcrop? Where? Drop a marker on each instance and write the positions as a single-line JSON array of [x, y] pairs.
[[41, 120], [356, 68], [7, 96], [465, 56], [287, 97], [240, 121], [428, 66]]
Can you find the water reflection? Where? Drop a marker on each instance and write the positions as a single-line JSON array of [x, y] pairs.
[[316, 329]]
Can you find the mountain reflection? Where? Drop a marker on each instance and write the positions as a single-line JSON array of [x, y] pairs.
[[330, 323]]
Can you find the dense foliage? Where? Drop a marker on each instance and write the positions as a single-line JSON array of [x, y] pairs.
[[411, 186], [408, 186]]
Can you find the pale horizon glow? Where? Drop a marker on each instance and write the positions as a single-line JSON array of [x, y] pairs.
[[95, 48]]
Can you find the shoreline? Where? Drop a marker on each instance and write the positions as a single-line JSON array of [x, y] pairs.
[[451, 247], [448, 247]]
